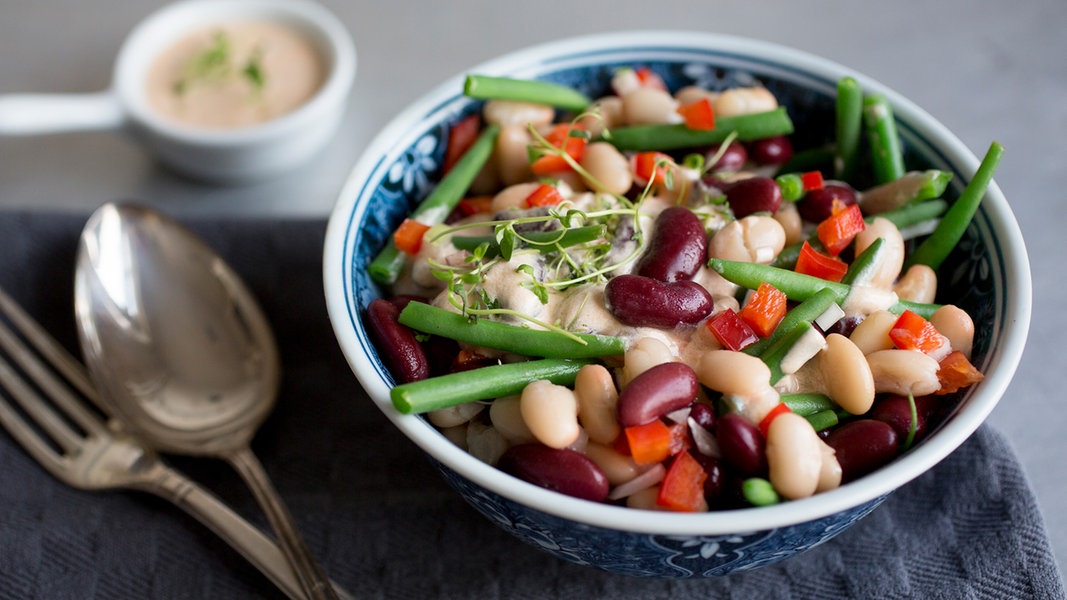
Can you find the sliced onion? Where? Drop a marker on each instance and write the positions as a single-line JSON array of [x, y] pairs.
[[678, 416], [831, 315], [705, 441], [647, 479]]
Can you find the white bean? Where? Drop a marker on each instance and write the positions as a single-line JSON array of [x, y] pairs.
[[485, 443], [608, 167], [618, 468], [513, 196], [644, 354], [744, 101], [650, 106], [872, 333], [605, 113], [597, 399], [454, 415], [551, 413], [830, 473], [692, 93], [846, 375], [506, 417], [794, 456], [734, 373], [514, 112], [645, 499], [788, 216], [918, 284], [892, 256], [755, 238], [954, 323], [903, 372], [510, 155]]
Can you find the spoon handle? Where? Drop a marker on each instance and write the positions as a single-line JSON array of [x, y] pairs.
[[292, 544], [247, 539]]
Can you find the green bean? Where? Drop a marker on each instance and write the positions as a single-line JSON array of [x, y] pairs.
[[864, 265], [509, 338], [903, 217], [435, 208], [545, 241], [808, 404], [849, 125], [805, 312], [759, 492], [798, 286], [911, 187], [819, 158], [887, 158], [823, 419], [673, 137], [777, 351], [484, 87], [933, 251], [480, 384]]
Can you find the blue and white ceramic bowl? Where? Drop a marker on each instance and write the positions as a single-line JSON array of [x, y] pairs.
[[989, 277]]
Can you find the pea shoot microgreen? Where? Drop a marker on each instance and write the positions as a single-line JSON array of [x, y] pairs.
[[214, 64]]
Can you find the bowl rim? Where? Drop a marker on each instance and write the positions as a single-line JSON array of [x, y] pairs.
[[1001, 365]]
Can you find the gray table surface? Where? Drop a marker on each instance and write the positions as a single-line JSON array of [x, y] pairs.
[[989, 69]]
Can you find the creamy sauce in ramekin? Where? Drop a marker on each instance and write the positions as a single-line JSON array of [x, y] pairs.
[[235, 74]]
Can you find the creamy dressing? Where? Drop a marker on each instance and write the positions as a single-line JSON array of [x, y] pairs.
[[235, 74]]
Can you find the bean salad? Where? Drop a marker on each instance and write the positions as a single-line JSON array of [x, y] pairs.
[[652, 299]]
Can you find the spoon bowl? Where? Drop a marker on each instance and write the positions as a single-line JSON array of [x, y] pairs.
[[182, 351]]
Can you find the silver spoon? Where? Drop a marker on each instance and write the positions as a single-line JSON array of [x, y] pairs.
[[183, 352]]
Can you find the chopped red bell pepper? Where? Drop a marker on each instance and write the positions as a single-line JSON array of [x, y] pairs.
[[765, 422], [956, 372], [765, 309], [460, 138], [544, 195], [561, 137], [408, 237], [812, 180], [698, 115], [473, 205], [912, 332], [649, 443], [650, 166], [682, 488], [814, 263], [731, 331], [837, 231]]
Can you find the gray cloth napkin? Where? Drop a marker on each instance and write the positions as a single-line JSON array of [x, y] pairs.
[[386, 526]]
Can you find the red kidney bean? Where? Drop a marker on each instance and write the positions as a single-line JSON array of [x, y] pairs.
[[645, 302], [703, 414], [396, 344], [678, 248], [863, 446], [771, 151], [753, 195], [896, 411], [563, 470], [742, 445], [713, 485], [817, 205], [659, 390], [733, 159]]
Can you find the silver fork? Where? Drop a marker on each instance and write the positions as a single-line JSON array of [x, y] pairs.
[[94, 453]]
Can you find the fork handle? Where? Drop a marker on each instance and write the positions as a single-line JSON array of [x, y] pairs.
[[263, 552]]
